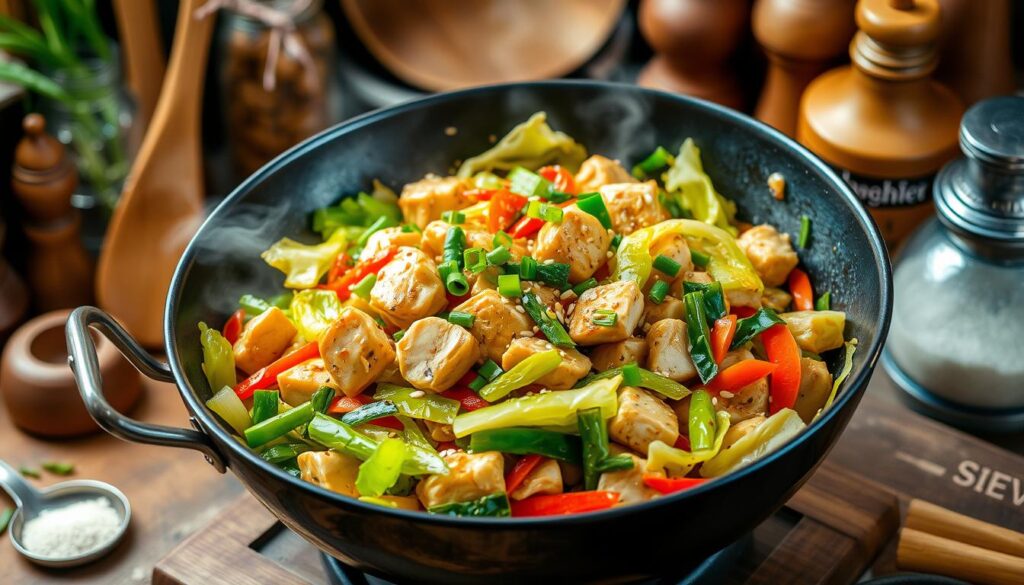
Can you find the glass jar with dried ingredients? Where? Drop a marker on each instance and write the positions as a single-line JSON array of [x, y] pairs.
[[958, 314], [277, 77]]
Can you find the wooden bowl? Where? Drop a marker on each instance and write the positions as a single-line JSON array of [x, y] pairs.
[[442, 45], [38, 388]]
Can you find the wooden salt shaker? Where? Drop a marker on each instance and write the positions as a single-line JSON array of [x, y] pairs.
[[60, 271], [694, 40], [801, 38]]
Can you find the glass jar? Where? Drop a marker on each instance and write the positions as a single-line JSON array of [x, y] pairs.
[[98, 128], [263, 122], [958, 316]]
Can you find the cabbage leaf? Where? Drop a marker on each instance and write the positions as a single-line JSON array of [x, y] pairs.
[[313, 311], [304, 264], [689, 186], [532, 145]]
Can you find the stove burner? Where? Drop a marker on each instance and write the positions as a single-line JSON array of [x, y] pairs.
[[714, 569]]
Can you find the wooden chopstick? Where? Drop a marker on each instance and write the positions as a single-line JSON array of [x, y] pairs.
[[927, 517], [920, 551]]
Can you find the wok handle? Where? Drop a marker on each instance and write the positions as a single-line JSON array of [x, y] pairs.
[[86, 368]]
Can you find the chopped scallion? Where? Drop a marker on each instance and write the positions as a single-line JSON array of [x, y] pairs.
[[667, 265], [508, 285], [595, 206], [699, 258], [528, 268], [528, 183], [805, 231], [584, 286], [658, 292], [502, 239], [631, 374], [456, 283], [605, 317], [547, 212], [477, 383], [475, 260], [490, 370], [658, 159], [363, 287], [616, 240], [462, 319], [409, 228], [381, 223], [498, 256], [454, 217], [398, 335], [824, 302]]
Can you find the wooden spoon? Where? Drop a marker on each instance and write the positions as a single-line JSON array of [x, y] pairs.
[[162, 202], [139, 29]]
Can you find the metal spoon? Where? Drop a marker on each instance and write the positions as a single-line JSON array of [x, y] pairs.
[[31, 502]]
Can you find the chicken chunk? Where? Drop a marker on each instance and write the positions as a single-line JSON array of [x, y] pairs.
[[497, 322], [298, 383], [598, 171], [579, 241], [669, 350], [629, 483], [623, 297], [673, 246], [356, 351], [770, 252], [388, 237], [612, 355], [440, 432], [545, 478], [427, 199], [264, 339], [470, 477], [433, 354], [436, 231], [574, 364], [330, 470], [669, 308], [741, 429], [775, 299], [816, 331], [408, 288], [747, 402], [633, 206], [642, 419], [815, 387]]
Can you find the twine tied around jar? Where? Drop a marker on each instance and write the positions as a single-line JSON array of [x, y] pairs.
[[281, 24]]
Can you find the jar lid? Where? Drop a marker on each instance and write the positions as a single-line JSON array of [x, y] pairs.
[[983, 194]]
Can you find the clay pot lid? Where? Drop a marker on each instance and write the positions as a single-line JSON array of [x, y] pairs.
[[902, 23], [38, 151], [441, 45]]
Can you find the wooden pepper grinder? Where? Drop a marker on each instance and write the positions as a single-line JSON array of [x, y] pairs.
[[60, 271], [694, 40], [975, 60], [801, 38], [882, 122]]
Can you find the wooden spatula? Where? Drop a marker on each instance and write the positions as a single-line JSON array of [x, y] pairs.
[[139, 30], [162, 202]]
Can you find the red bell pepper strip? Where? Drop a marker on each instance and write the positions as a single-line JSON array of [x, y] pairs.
[[800, 288], [480, 194], [233, 326], [560, 177], [503, 208], [338, 267], [266, 376], [570, 503], [671, 485], [683, 442], [341, 284], [782, 350], [469, 399], [740, 374], [522, 468], [454, 301], [742, 312], [346, 404], [527, 226], [721, 336]]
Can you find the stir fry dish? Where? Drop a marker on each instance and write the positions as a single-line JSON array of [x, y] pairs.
[[541, 333]]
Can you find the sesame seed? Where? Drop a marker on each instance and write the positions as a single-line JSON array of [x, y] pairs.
[[571, 307], [609, 254], [567, 293], [611, 232], [520, 309], [714, 400], [549, 346], [417, 394], [526, 333], [726, 394], [536, 329], [549, 261]]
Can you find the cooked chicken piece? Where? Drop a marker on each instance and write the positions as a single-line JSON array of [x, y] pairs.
[[388, 237], [612, 355], [427, 199], [497, 322], [574, 364], [815, 387], [633, 206], [669, 350], [598, 171], [741, 429], [433, 354], [673, 246], [436, 232], [623, 297], [298, 383], [743, 297], [579, 241], [440, 432], [816, 331], [545, 478], [642, 419], [470, 477], [330, 470], [264, 339], [669, 308], [747, 402], [770, 252], [356, 351], [546, 294], [408, 288], [629, 483], [775, 299], [391, 374], [486, 280]]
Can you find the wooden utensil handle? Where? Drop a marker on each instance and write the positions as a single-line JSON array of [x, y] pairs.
[[920, 551], [927, 517]]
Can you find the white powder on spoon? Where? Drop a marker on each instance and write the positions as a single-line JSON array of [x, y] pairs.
[[71, 530]]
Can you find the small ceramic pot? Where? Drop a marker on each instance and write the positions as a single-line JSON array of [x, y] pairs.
[[38, 388]]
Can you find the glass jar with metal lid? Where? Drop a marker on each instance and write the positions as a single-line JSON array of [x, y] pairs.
[[955, 346]]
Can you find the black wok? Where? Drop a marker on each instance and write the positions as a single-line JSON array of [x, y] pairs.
[[400, 144]]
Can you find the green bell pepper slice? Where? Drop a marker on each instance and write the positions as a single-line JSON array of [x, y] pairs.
[[381, 470], [701, 421], [678, 463], [596, 458], [218, 358], [700, 337], [527, 441], [647, 379], [427, 407], [522, 374], [753, 325], [336, 435], [279, 425]]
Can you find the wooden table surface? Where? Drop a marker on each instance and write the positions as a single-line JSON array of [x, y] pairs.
[[173, 491]]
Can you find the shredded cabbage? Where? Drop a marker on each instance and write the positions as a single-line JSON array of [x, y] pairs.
[[678, 463], [532, 145], [844, 373], [304, 264], [688, 184], [767, 437], [313, 311]]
